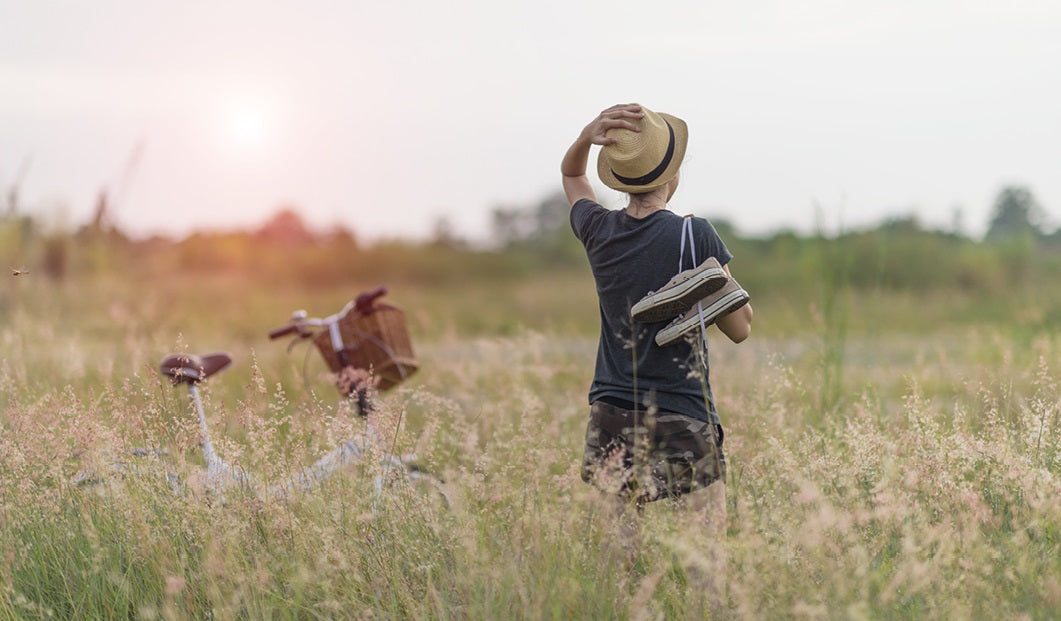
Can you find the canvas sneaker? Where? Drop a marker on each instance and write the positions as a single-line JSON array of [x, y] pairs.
[[680, 292], [719, 304]]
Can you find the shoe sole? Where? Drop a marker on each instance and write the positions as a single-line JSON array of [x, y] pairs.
[[676, 300], [719, 308]]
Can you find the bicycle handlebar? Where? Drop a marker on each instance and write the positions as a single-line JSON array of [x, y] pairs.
[[276, 333], [363, 304], [364, 301]]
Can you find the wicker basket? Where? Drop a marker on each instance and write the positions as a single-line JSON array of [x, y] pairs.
[[377, 341]]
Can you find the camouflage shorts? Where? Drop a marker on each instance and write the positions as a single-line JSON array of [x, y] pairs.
[[650, 456]]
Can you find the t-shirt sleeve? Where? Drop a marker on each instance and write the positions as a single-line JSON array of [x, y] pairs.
[[712, 244], [585, 216]]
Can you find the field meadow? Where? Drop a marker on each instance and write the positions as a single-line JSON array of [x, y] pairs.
[[893, 454]]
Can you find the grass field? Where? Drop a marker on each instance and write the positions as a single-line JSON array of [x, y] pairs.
[[892, 456]]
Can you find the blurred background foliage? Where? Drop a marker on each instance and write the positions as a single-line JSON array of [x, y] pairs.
[[533, 271]]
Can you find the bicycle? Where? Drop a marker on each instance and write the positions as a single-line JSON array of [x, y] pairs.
[[366, 345]]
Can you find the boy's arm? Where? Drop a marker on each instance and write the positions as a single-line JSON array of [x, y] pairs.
[[573, 166], [738, 324]]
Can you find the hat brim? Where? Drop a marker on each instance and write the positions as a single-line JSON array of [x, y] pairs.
[[681, 140]]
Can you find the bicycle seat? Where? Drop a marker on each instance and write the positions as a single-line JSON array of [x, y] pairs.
[[191, 368]]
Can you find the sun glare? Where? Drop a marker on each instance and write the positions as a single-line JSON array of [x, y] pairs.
[[249, 124]]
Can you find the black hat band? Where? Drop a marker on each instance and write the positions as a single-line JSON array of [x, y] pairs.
[[657, 171]]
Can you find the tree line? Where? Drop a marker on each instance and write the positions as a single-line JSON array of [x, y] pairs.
[[899, 252]]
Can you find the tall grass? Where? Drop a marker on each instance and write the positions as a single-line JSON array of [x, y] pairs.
[[932, 489]]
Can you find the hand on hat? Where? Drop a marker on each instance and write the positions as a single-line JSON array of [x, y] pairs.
[[573, 166], [614, 117]]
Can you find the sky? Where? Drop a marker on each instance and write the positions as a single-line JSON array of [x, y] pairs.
[[387, 116]]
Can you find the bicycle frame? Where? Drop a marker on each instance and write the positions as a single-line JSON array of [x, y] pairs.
[[221, 475]]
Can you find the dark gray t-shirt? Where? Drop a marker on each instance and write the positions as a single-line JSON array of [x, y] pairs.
[[630, 257]]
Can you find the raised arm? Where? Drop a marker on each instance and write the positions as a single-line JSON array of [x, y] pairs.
[[573, 166]]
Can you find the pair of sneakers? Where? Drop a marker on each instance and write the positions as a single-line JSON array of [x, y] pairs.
[[704, 293]]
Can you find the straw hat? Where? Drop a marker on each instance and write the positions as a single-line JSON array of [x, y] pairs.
[[643, 161]]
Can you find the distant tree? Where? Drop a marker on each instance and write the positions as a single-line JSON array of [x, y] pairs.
[[535, 223], [339, 235], [1016, 214], [901, 224], [1053, 239], [101, 220], [725, 227], [444, 235], [551, 214], [508, 224], [55, 257], [286, 227], [957, 221]]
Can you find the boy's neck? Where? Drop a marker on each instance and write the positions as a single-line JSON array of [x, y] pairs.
[[641, 210]]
